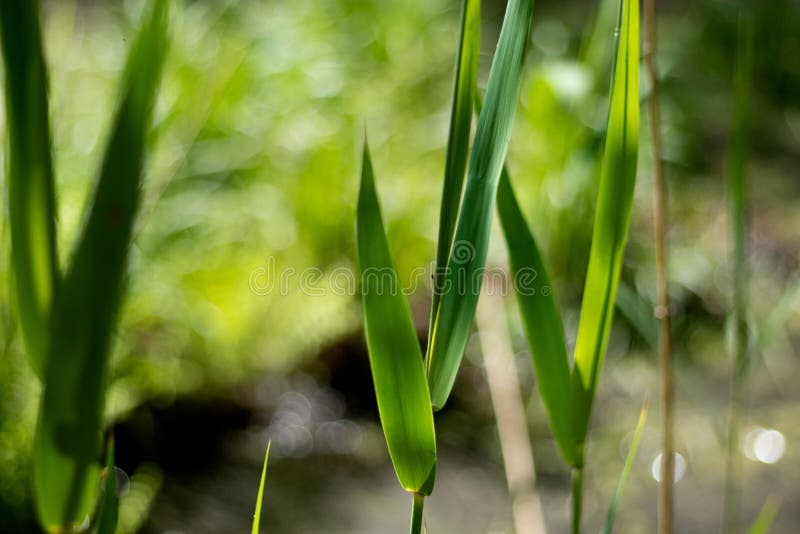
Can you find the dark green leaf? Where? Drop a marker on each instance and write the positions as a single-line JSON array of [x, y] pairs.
[[67, 443], [31, 201], [462, 282], [466, 78], [540, 317]]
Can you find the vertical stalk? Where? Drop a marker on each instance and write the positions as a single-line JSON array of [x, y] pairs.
[[577, 498], [662, 311], [738, 208], [416, 512], [509, 410]]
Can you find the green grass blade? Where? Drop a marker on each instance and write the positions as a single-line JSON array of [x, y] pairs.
[[466, 78], [461, 287], [260, 498], [67, 442], [626, 471], [766, 516], [105, 521], [31, 197], [540, 317], [394, 352], [612, 217]]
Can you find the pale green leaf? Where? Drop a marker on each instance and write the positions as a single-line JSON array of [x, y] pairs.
[[395, 356]]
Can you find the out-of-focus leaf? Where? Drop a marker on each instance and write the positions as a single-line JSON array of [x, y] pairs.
[[394, 352], [31, 201], [626, 471], [466, 78], [638, 313], [540, 317], [260, 498], [107, 507], [612, 218], [461, 286], [766, 516], [67, 442]]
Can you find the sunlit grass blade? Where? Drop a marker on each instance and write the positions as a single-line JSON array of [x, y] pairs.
[[31, 197], [466, 77], [105, 521], [394, 352], [540, 317], [67, 442], [260, 498], [461, 285], [612, 217], [763, 523], [626, 471]]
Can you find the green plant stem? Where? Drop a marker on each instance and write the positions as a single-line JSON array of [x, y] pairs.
[[416, 512], [737, 189], [577, 499], [662, 310]]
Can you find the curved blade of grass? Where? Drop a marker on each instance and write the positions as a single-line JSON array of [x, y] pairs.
[[67, 442], [466, 78], [626, 471], [462, 281], [107, 507], [260, 498], [31, 197], [543, 328], [612, 218], [394, 353]]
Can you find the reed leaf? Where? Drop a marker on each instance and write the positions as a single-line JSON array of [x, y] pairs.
[[462, 281], [465, 85], [395, 356], [67, 441], [626, 471], [31, 197], [260, 498], [105, 521], [540, 317], [612, 218]]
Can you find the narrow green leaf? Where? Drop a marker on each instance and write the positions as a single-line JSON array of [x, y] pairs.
[[465, 87], [462, 282], [763, 523], [105, 521], [67, 442], [31, 197], [394, 352], [626, 471], [737, 187], [540, 318], [260, 498], [612, 218]]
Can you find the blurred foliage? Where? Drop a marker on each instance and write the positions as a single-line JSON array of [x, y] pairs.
[[261, 114]]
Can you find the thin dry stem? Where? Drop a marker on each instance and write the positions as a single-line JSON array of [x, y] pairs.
[[662, 311], [509, 411]]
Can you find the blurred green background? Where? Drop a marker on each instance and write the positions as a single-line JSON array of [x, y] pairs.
[[252, 174]]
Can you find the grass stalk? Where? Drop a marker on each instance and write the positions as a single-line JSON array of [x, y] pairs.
[[417, 502], [577, 499], [509, 410], [738, 212], [662, 311]]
